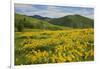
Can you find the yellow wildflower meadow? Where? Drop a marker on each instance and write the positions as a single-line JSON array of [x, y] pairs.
[[54, 46]]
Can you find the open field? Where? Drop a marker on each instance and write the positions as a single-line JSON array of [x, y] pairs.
[[54, 46]]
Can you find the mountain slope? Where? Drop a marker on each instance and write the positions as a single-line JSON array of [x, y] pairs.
[[73, 21], [26, 22]]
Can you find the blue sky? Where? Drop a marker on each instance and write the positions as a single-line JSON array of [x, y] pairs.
[[52, 11]]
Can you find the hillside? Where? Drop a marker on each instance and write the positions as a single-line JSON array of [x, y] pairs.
[[25, 22], [73, 21]]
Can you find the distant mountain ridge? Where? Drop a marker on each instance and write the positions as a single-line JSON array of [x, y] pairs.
[[40, 17]]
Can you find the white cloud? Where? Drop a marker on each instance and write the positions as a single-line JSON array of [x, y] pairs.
[[51, 11]]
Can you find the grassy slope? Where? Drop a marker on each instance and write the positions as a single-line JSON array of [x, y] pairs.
[[73, 21], [33, 23]]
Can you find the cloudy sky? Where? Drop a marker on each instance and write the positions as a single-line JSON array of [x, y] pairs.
[[52, 11]]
